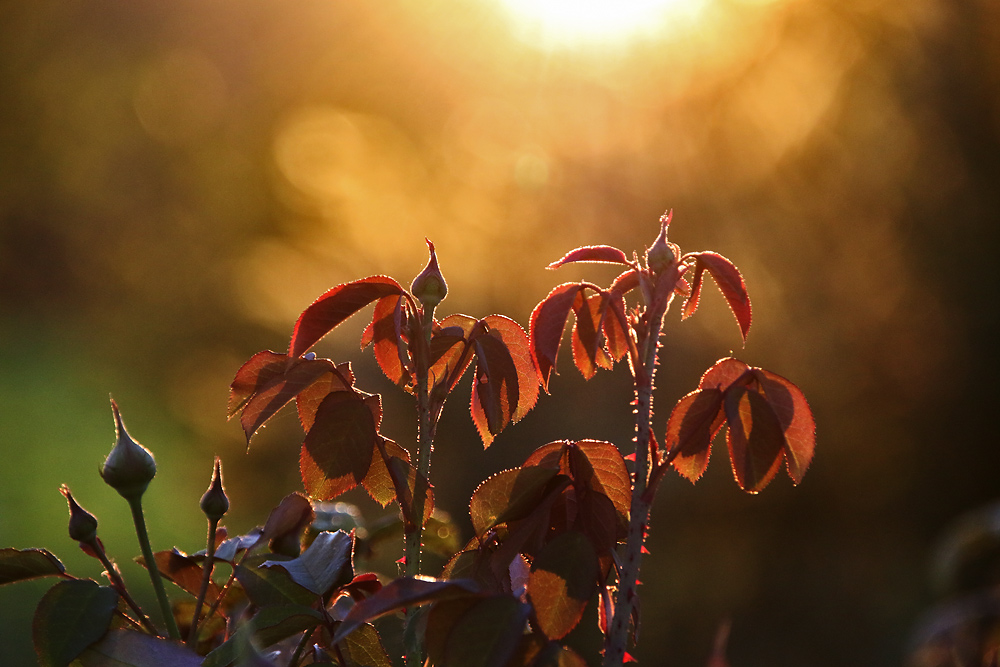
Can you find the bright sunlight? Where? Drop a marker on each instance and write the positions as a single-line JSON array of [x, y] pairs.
[[574, 22]]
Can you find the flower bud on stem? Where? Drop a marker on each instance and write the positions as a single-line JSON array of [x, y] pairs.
[[129, 469], [83, 529], [214, 504]]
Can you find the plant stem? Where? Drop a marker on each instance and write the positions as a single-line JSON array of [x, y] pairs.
[[154, 572], [206, 578], [625, 601], [413, 540], [300, 649], [119, 583]]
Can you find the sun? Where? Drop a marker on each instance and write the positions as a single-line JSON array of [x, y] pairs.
[[577, 22]]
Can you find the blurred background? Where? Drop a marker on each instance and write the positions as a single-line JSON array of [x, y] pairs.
[[179, 180]]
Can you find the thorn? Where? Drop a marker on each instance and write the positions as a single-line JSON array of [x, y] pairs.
[[644, 549], [629, 657]]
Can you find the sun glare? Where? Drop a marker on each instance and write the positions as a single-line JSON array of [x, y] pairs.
[[575, 22]]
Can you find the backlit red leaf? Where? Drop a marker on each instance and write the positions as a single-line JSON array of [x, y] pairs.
[[730, 283], [626, 282], [408, 482], [494, 389], [563, 579], [755, 438], [335, 306], [378, 482], [183, 570], [588, 335], [450, 352], [268, 381], [399, 594], [548, 321], [307, 401], [337, 450], [789, 404], [723, 374], [519, 348], [509, 496], [386, 332], [693, 424], [607, 474], [615, 326], [594, 253]]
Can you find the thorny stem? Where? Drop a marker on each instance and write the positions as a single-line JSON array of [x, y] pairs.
[[119, 584], [139, 520], [206, 578], [425, 445], [643, 370]]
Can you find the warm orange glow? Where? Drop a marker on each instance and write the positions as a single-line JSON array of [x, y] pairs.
[[572, 22]]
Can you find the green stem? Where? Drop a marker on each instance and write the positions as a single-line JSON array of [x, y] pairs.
[[300, 649], [154, 572], [625, 600], [119, 583], [206, 579]]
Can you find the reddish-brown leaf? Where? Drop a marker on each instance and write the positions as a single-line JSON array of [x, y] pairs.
[[548, 321], [694, 293], [254, 374], [337, 451], [387, 332], [269, 381], [693, 424], [399, 594], [723, 374], [287, 521], [599, 466], [730, 283], [494, 389], [307, 401], [563, 578], [626, 282], [518, 347], [604, 254], [789, 404], [756, 441], [616, 326], [509, 496], [588, 338], [183, 570], [450, 352], [378, 482], [335, 306], [408, 481]]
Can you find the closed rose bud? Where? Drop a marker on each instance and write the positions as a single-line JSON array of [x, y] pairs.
[[215, 503], [82, 524], [662, 253], [429, 287], [130, 467]]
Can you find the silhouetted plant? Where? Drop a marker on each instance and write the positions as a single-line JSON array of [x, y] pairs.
[[547, 550]]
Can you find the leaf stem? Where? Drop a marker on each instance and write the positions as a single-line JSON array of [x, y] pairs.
[[135, 503], [206, 579]]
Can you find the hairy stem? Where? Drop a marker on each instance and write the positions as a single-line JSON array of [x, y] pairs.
[[626, 599], [206, 578], [413, 540], [154, 572]]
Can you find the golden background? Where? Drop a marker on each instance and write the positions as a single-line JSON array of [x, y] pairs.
[[179, 180]]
